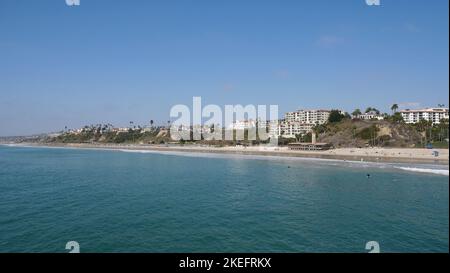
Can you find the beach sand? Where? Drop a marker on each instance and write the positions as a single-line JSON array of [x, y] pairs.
[[393, 155]]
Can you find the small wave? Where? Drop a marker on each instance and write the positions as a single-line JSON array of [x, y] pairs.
[[134, 151], [9, 144], [323, 161], [423, 170], [231, 155]]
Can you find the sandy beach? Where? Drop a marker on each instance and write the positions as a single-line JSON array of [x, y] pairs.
[[392, 155]]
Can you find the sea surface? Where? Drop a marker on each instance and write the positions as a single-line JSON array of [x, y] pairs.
[[122, 201]]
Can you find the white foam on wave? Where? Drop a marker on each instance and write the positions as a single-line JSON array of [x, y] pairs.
[[10, 145], [424, 170], [133, 151], [323, 161], [231, 155]]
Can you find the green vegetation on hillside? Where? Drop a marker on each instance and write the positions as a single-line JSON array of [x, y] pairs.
[[391, 132], [340, 131], [97, 135]]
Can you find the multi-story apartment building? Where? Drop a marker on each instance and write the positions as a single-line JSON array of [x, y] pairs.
[[435, 115], [308, 116], [299, 122], [290, 129]]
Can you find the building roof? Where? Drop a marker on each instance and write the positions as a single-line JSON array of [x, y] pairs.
[[313, 110], [443, 110], [309, 143]]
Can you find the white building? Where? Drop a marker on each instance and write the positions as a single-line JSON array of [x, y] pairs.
[[308, 116], [242, 124], [435, 115], [290, 129], [299, 122], [121, 129], [370, 116]]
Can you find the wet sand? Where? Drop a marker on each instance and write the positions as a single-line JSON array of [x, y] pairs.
[[391, 155]]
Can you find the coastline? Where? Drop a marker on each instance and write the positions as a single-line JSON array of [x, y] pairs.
[[380, 155]]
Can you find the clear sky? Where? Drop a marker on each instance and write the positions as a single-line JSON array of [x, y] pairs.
[[119, 61]]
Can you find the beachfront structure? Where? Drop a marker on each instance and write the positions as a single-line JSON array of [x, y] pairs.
[[310, 146], [371, 115], [435, 115]]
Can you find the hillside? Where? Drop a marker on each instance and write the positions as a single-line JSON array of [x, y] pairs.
[[345, 133], [155, 136], [361, 133]]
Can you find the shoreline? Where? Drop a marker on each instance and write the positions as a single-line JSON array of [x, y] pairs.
[[379, 155]]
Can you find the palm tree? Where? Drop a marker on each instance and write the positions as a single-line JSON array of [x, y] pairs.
[[394, 107], [424, 125], [151, 123], [132, 126]]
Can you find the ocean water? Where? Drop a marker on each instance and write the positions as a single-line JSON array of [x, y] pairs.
[[116, 201]]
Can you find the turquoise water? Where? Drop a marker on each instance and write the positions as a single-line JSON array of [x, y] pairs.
[[113, 201]]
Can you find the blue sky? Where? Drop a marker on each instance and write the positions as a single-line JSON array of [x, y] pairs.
[[117, 61]]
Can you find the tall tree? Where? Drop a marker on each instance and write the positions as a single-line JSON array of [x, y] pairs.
[[397, 117], [394, 107], [357, 112], [335, 116]]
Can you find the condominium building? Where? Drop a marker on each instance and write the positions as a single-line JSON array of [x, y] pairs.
[[308, 116], [299, 122], [435, 115], [289, 129]]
